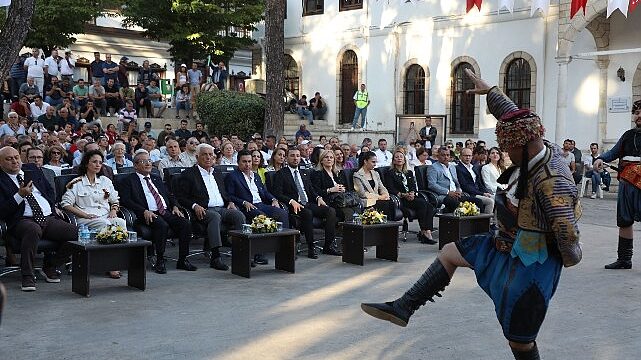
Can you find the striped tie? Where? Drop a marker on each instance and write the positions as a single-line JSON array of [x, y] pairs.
[[36, 210], [154, 193]]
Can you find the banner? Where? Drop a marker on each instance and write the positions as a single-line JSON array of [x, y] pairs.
[[472, 3], [543, 5], [507, 5], [576, 6], [621, 5]]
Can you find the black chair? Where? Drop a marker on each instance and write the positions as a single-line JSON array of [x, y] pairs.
[[420, 174], [126, 170], [44, 246], [61, 187], [168, 173], [67, 171], [401, 213], [225, 169]]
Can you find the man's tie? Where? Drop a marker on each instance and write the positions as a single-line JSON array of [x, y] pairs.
[[301, 192], [154, 193], [36, 210]]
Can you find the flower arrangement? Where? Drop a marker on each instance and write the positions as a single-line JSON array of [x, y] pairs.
[[467, 208], [371, 217], [112, 234], [263, 224]]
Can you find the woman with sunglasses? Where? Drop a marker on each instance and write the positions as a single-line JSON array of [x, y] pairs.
[[56, 155]]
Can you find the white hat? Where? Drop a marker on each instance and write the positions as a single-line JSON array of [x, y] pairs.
[[183, 65]]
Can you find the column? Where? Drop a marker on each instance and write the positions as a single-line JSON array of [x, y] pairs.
[[561, 99], [603, 62]]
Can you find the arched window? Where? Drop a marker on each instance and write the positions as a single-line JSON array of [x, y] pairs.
[[518, 83], [462, 106], [414, 89], [292, 79], [349, 85]]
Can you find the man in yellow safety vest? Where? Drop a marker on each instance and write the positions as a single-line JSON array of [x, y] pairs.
[[361, 100]]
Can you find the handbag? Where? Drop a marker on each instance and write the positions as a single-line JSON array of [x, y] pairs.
[[632, 174], [345, 199]]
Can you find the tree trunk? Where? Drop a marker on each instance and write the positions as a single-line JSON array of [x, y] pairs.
[[15, 30], [274, 50]]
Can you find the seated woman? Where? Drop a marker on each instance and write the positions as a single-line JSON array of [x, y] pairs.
[[402, 183], [326, 182], [370, 188], [56, 155], [277, 161], [422, 157], [491, 171], [258, 164], [92, 198], [339, 158], [227, 157], [119, 160]]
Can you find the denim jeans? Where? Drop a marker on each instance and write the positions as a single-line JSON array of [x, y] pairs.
[[306, 114], [595, 177], [363, 113]]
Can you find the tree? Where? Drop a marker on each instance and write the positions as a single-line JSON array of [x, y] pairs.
[[274, 53], [14, 32], [196, 29], [56, 21]]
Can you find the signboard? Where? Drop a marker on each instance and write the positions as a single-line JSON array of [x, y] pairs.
[[618, 104], [409, 126]]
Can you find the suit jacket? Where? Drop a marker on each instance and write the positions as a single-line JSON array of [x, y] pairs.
[[394, 181], [437, 183], [10, 211], [321, 182], [428, 135], [192, 190], [222, 78], [132, 195], [468, 184], [238, 191], [284, 187], [363, 188]]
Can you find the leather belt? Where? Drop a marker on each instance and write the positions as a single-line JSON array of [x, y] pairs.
[[503, 245]]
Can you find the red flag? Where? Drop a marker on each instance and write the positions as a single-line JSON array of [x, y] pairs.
[[577, 5], [633, 4], [477, 3]]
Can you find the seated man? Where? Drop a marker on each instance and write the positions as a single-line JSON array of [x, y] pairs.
[[249, 194], [443, 183], [471, 182], [28, 209], [145, 194], [293, 187], [202, 190], [303, 110]]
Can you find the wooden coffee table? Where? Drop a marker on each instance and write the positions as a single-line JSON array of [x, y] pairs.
[[452, 228], [244, 246], [93, 257], [357, 236]]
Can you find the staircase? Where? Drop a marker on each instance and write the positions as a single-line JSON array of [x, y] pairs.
[[292, 123]]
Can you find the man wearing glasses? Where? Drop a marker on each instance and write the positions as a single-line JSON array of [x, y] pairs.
[[383, 156], [189, 155]]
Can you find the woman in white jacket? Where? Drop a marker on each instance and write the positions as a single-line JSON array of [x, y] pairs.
[[491, 171]]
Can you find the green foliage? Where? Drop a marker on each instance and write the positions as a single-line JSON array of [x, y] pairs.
[[56, 21], [196, 28], [231, 112]]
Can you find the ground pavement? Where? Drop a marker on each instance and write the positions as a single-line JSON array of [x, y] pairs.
[[315, 313]]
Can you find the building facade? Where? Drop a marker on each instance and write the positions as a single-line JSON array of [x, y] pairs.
[[412, 57]]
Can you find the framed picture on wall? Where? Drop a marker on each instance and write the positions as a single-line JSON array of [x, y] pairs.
[[408, 127]]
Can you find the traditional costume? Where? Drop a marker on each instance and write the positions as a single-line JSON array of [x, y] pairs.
[[519, 263], [628, 151]]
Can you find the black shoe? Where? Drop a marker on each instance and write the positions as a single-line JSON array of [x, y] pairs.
[[28, 283], [624, 258], [160, 268], [260, 259], [425, 240], [50, 274], [311, 253], [218, 264], [399, 311], [330, 250], [185, 265]]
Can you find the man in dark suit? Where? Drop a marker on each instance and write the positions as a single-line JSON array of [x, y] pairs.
[[28, 209], [293, 187], [442, 181], [247, 191], [145, 194], [202, 190], [469, 177], [219, 75]]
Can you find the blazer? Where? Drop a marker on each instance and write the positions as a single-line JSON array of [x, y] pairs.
[[192, 190], [10, 210], [321, 182], [428, 135], [238, 191], [132, 195], [394, 181], [437, 183], [468, 184], [365, 190], [284, 187]]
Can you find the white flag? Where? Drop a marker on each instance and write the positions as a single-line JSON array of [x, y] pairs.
[[543, 5], [507, 5], [622, 5], [5, 2]]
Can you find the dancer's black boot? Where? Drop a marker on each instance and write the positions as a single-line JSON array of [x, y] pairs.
[[624, 252], [433, 280], [532, 354]]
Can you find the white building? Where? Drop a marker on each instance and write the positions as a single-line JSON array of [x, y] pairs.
[[411, 56]]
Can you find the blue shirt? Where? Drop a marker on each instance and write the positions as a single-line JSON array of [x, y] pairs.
[[96, 68], [111, 65]]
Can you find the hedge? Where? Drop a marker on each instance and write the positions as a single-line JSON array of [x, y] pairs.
[[231, 112]]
